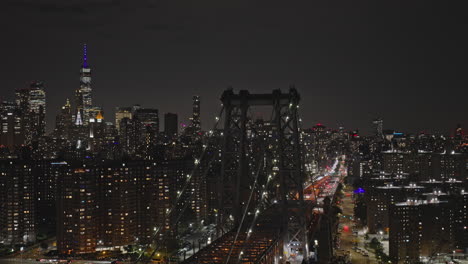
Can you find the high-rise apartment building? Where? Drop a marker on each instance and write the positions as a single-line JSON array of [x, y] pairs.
[[378, 205], [46, 174], [165, 177], [111, 204], [460, 201], [117, 204], [448, 166], [17, 199], [76, 211], [420, 229], [395, 162]]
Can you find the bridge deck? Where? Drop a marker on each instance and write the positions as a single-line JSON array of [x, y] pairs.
[[261, 242]]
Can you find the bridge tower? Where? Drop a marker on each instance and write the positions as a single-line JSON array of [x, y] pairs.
[[237, 173]]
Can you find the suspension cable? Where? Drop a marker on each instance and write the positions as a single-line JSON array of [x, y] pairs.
[[263, 194], [182, 211], [245, 210], [180, 194], [257, 211]]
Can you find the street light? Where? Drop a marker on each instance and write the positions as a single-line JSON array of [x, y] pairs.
[[21, 253]]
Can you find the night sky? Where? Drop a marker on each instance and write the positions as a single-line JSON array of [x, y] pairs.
[[351, 60]]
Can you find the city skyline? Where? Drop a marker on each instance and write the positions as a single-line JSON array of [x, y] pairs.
[[228, 132], [201, 50]]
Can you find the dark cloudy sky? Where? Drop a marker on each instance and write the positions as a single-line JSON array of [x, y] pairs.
[[351, 60]]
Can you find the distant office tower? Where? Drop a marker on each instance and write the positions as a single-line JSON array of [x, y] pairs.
[[79, 134], [31, 105], [121, 113], [17, 216], [93, 112], [149, 118], [196, 123], [130, 135], [83, 95], [171, 125], [64, 121], [37, 109], [22, 104], [378, 127], [12, 131], [22, 99], [76, 211], [459, 132], [97, 133]]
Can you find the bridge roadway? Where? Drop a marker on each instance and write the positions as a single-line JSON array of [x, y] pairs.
[[261, 246], [264, 245]]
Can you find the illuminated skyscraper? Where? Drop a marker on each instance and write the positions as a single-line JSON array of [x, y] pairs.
[[121, 113], [196, 124], [22, 115], [83, 95], [63, 121], [149, 118], [37, 109], [378, 127], [130, 134], [12, 131], [31, 108]]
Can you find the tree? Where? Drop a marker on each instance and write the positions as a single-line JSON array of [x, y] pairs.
[[129, 248], [376, 245]]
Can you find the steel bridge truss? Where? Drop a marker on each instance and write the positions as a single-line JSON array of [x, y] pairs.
[[279, 159]]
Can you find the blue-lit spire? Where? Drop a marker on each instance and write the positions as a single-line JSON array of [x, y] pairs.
[[85, 56]]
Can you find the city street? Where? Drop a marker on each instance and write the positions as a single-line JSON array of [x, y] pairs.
[[347, 236]]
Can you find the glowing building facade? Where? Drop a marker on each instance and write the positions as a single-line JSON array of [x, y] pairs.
[[84, 102]]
